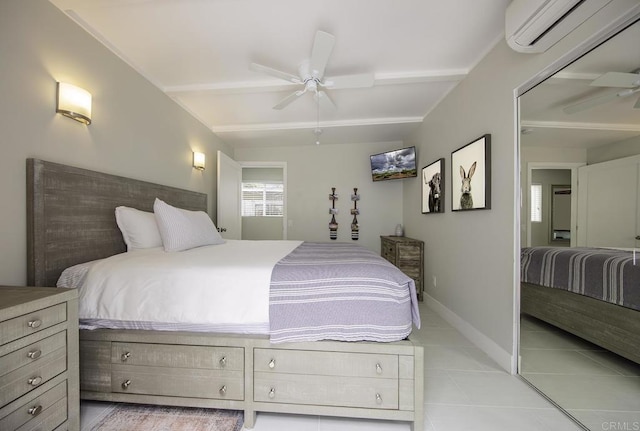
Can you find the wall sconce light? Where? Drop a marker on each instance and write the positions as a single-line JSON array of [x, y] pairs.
[[198, 161], [74, 102]]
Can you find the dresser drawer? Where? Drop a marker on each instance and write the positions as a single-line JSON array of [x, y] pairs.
[[388, 251], [326, 390], [32, 352], [22, 380], [178, 382], [412, 271], [409, 252], [325, 363], [177, 356], [30, 323], [48, 410]]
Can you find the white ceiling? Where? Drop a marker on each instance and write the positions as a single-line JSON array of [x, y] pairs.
[[542, 115], [199, 51]]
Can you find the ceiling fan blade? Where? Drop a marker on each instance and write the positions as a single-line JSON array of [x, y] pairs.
[[323, 98], [363, 80], [322, 47], [277, 73], [290, 98], [617, 79], [590, 103]]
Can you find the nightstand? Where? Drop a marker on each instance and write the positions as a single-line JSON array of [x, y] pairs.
[[408, 255], [39, 383]]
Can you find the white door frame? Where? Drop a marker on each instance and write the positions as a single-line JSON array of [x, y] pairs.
[[283, 166]]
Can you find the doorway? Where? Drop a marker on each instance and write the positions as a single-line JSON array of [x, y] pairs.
[[263, 200]]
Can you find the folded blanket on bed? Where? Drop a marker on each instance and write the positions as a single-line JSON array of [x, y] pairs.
[[338, 291], [606, 274]]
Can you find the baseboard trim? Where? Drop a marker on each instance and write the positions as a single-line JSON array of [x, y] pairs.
[[484, 343]]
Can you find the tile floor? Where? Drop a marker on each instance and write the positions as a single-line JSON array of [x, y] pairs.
[[464, 390], [597, 387]]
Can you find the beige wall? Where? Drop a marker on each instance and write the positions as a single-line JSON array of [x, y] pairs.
[[617, 150], [311, 172], [474, 254], [137, 131]]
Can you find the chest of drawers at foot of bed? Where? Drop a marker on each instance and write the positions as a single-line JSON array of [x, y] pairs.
[[326, 378], [178, 370]]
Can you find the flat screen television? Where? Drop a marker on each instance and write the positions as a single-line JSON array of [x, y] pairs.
[[394, 165]]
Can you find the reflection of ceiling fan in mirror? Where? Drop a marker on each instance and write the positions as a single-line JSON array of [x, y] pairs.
[[311, 74], [629, 81]]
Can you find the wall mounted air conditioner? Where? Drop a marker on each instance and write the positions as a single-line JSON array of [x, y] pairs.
[[533, 26]]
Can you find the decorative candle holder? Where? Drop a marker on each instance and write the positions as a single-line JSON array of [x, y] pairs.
[[333, 224], [355, 229]]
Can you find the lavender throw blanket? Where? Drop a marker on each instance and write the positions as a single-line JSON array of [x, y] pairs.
[[605, 274], [338, 291]]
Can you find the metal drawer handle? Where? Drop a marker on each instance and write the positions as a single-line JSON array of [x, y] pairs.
[[126, 384], [34, 354], [378, 368], [223, 361], [34, 323], [378, 399], [272, 364], [272, 393], [35, 381], [223, 390], [125, 356], [35, 411]]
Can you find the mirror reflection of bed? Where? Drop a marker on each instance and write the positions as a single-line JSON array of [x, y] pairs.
[[581, 347]]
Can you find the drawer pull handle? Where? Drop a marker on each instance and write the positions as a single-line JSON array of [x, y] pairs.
[[125, 356], [223, 361], [35, 381], [35, 411], [378, 368], [378, 399], [126, 384], [272, 364], [272, 393], [33, 324], [223, 390], [34, 354]]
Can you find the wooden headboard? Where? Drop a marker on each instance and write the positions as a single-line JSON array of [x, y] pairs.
[[71, 215]]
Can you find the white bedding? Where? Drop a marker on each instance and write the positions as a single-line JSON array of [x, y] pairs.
[[221, 287]]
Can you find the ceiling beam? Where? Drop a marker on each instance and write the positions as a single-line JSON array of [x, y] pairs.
[[272, 85], [581, 126], [312, 124]]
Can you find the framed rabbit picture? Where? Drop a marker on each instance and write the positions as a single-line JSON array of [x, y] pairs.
[[471, 175]]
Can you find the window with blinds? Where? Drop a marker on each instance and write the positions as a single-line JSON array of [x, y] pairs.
[[262, 199], [536, 202]]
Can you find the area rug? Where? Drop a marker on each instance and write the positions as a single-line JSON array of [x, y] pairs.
[[131, 417]]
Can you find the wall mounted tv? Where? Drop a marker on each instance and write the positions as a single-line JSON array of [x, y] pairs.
[[394, 165]]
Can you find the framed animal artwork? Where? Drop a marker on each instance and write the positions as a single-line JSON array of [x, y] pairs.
[[433, 187], [471, 175]]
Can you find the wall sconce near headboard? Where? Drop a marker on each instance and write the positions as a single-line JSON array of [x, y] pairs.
[[198, 161], [74, 102]]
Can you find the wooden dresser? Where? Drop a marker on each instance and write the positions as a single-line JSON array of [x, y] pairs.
[[408, 255], [39, 386]]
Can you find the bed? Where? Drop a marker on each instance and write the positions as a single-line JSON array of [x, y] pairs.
[[71, 221], [593, 293]]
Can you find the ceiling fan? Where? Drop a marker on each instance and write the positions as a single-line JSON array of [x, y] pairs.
[[311, 74], [629, 81]]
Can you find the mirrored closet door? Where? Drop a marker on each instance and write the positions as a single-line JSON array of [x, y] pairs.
[[580, 149]]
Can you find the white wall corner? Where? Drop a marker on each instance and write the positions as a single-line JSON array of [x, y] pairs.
[[503, 358]]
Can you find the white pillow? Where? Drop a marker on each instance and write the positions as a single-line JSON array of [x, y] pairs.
[[139, 228], [183, 229]]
